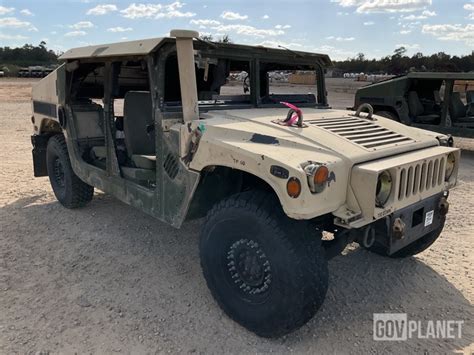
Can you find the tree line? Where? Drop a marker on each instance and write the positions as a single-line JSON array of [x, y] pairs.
[[28, 55], [396, 63], [400, 63]]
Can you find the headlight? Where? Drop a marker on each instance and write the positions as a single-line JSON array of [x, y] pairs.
[[317, 176], [384, 188], [450, 163]]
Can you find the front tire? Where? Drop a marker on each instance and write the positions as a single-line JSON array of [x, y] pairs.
[[266, 271], [70, 191]]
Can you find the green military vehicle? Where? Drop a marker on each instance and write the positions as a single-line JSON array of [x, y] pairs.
[[158, 124], [441, 102]]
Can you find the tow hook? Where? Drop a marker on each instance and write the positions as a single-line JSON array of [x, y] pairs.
[[295, 115], [368, 239], [398, 228], [443, 206]]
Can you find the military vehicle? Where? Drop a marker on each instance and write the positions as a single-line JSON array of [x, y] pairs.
[[34, 72], [441, 102], [155, 124], [23, 73]]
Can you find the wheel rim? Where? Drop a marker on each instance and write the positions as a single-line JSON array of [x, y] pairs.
[[249, 268], [58, 170]]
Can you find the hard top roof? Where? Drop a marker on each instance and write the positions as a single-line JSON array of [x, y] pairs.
[[441, 75], [423, 76], [129, 48], [146, 46]]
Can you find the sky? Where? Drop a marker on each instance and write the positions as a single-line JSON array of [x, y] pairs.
[[340, 28]]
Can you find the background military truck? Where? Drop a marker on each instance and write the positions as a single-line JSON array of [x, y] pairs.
[[441, 102], [157, 124], [34, 72]]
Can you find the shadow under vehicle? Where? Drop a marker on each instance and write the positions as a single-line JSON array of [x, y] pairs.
[[441, 102], [157, 124]]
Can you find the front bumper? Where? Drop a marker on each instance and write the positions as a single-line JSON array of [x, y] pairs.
[[405, 226]]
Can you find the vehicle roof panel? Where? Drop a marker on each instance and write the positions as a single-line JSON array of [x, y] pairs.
[[146, 46], [129, 48]]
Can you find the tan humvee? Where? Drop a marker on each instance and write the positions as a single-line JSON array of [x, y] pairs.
[[181, 128]]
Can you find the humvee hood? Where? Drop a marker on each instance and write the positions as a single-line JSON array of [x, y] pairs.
[[335, 132]]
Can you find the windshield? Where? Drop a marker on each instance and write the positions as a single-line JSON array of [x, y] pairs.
[[225, 82]]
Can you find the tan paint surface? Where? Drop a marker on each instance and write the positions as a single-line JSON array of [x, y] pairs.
[[229, 140], [187, 78]]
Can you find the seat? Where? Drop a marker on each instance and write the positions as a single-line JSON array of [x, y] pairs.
[[456, 106], [88, 120], [138, 128], [470, 102], [99, 152], [470, 96], [458, 111], [437, 97], [417, 109]]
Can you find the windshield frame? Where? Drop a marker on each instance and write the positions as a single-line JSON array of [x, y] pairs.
[[255, 56]]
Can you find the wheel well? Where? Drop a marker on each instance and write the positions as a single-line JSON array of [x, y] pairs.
[[386, 108], [219, 182], [49, 126]]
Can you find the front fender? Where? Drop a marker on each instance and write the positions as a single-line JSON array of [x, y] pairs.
[[257, 159]]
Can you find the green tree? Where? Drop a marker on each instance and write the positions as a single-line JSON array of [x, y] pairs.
[[28, 55]]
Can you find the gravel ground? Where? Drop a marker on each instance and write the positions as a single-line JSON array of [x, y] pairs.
[[108, 278]]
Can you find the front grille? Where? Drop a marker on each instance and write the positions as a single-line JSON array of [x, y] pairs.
[[420, 176], [362, 132]]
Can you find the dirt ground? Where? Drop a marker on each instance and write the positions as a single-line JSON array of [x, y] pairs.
[[108, 278]]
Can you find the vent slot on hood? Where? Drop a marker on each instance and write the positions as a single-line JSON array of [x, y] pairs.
[[361, 132]]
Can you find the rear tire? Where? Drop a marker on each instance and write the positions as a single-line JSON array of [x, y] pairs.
[[70, 191], [265, 270], [387, 114]]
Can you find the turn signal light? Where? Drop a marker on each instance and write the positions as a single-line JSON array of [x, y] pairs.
[[293, 187]]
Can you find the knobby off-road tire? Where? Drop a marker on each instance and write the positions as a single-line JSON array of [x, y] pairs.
[[412, 249], [70, 191], [266, 271]]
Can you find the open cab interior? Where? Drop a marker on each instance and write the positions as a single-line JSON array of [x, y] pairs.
[[132, 128], [115, 103], [461, 104], [428, 100]]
